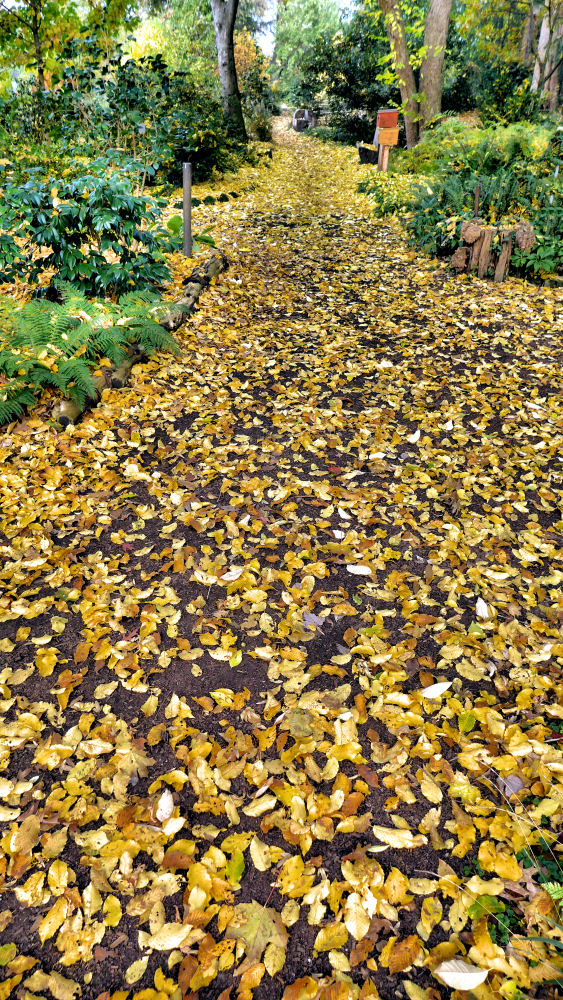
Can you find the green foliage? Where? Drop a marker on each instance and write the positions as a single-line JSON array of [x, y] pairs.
[[515, 174], [344, 68], [389, 193], [137, 113], [299, 25], [56, 345], [100, 235], [138, 314], [515, 169]]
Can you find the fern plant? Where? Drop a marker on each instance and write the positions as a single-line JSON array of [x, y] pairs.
[[57, 345], [139, 315]]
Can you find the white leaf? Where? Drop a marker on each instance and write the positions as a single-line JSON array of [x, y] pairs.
[[413, 438], [460, 976], [449, 426], [385, 364], [358, 570], [481, 608], [165, 806], [339, 535], [344, 514], [378, 454], [435, 690], [233, 574]]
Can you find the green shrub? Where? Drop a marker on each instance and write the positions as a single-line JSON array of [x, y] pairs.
[[515, 169], [134, 110], [99, 234], [389, 193], [456, 144]]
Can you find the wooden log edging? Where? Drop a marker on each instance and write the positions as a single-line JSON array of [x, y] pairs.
[[476, 251], [168, 315]]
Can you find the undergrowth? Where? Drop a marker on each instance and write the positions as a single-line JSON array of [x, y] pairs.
[[58, 345], [516, 171]]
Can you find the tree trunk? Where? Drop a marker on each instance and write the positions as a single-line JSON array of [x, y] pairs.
[[405, 76], [432, 69], [36, 32], [224, 15], [542, 55], [528, 34]]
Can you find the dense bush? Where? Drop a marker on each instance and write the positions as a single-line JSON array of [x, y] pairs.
[[514, 168], [52, 345], [136, 110], [457, 144], [99, 234], [389, 193], [343, 72], [515, 182]]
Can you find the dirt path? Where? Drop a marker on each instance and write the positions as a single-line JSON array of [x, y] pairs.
[[222, 596]]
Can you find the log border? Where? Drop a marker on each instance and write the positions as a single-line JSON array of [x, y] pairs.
[[171, 317]]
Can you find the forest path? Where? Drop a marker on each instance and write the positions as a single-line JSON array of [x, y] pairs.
[[224, 592]]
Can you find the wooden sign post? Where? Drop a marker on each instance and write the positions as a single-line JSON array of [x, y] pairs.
[[386, 135], [187, 206]]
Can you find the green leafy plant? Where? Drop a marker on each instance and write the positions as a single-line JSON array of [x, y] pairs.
[[100, 234], [57, 345], [389, 193]]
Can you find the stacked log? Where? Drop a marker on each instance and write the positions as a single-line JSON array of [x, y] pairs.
[[480, 241], [168, 315]]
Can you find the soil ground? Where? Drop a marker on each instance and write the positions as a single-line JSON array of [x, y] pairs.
[[223, 593]]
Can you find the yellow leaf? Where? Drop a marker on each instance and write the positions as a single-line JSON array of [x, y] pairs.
[[112, 911], [505, 865], [255, 596], [332, 936], [430, 915], [355, 917], [428, 787], [260, 854], [136, 970], [53, 919], [398, 838], [58, 877], [45, 661], [274, 958]]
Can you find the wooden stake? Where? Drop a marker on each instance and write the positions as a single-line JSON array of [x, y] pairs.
[[383, 161], [187, 179], [477, 199], [476, 251], [485, 253], [505, 255]]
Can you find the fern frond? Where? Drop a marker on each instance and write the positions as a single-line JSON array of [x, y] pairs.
[[153, 337], [555, 890], [14, 399], [109, 342], [75, 380]]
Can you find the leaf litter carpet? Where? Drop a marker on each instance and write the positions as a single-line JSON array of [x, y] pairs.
[[280, 630]]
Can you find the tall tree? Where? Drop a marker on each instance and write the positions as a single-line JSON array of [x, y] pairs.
[[419, 107], [27, 19], [397, 35], [224, 17], [432, 69], [549, 51], [299, 26]]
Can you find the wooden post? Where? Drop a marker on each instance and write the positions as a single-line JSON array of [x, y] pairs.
[[485, 252], [505, 255], [383, 161], [476, 251], [187, 179]]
